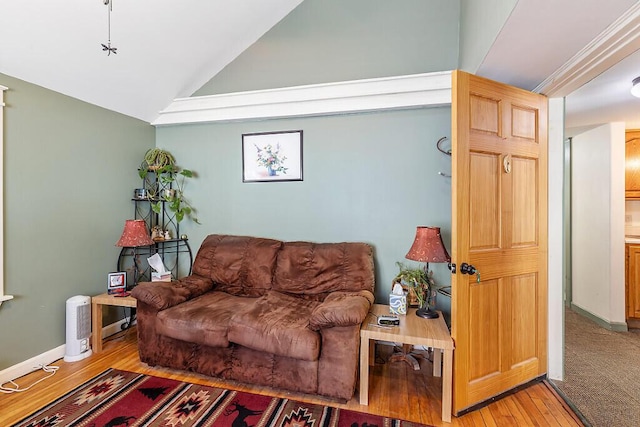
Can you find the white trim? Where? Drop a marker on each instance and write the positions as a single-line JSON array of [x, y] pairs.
[[48, 357], [387, 93], [30, 365], [615, 43], [3, 297], [555, 239]]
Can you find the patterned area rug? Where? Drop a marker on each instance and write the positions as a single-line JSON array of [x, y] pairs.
[[120, 398]]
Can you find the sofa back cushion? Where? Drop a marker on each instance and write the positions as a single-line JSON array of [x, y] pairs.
[[316, 269], [238, 265]]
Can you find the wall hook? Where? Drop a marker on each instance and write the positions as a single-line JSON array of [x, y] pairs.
[[438, 146]]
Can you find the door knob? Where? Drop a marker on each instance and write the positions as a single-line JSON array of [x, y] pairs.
[[470, 269], [467, 268]]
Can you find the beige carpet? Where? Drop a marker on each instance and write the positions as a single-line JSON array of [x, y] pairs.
[[602, 372]]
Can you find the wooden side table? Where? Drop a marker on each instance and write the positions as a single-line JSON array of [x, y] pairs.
[[413, 330], [96, 315]]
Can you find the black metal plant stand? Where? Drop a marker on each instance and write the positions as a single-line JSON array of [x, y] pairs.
[[175, 252]]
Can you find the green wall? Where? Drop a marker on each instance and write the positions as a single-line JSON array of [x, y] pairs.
[[367, 177], [324, 41], [70, 168]]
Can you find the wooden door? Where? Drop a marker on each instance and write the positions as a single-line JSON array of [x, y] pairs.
[[499, 226], [633, 281]]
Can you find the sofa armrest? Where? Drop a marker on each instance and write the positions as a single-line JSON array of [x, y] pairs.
[[341, 309], [162, 295]]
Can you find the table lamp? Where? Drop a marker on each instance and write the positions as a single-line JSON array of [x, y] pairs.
[[428, 247], [134, 235]]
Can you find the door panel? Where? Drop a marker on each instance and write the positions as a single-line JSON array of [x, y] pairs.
[[485, 203], [484, 333], [485, 114], [499, 208], [525, 225], [524, 122], [523, 313]]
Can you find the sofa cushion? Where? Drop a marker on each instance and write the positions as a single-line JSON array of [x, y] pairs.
[[278, 324], [239, 265], [203, 320], [341, 309], [319, 268], [161, 295]]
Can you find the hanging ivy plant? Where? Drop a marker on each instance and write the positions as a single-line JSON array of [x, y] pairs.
[[169, 184]]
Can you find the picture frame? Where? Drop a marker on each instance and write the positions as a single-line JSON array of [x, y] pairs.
[[117, 283], [272, 156]]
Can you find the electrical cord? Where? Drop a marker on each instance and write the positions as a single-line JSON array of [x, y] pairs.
[[128, 321], [15, 388]]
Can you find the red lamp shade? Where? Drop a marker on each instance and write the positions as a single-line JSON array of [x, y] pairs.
[[427, 246], [134, 234]]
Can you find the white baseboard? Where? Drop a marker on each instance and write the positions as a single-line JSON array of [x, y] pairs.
[[33, 364], [48, 357]]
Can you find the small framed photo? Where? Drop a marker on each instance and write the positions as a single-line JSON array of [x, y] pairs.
[[117, 283], [272, 156]]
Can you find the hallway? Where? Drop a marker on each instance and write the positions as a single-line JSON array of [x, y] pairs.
[[602, 372]]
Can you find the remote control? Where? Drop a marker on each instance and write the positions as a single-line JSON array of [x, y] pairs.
[[388, 320]]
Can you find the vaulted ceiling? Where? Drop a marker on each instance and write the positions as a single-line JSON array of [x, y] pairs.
[[168, 49], [165, 48]]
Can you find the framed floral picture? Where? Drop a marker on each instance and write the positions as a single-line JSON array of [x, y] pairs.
[[272, 156]]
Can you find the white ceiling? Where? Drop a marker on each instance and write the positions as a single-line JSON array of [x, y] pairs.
[[541, 35], [168, 49], [607, 98]]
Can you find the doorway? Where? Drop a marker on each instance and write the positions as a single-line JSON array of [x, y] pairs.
[[598, 360]]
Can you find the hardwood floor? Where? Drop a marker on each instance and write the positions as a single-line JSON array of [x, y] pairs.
[[395, 390]]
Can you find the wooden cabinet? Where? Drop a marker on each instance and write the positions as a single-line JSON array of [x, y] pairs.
[[633, 281], [632, 164]]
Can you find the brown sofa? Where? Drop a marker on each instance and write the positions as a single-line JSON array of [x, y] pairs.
[[261, 311]]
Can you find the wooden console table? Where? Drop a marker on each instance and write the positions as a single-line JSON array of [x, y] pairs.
[[413, 330], [96, 315]]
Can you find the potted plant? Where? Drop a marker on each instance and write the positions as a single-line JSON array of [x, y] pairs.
[[154, 159], [172, 180], [168, 186], [417, 282]]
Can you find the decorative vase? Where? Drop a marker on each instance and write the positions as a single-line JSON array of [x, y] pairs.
[[271, 171]]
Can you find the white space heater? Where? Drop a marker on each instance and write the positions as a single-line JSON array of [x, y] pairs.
[[78, 328]]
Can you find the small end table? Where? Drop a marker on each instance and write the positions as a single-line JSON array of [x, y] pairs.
[[413, 330], [96, 315]]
